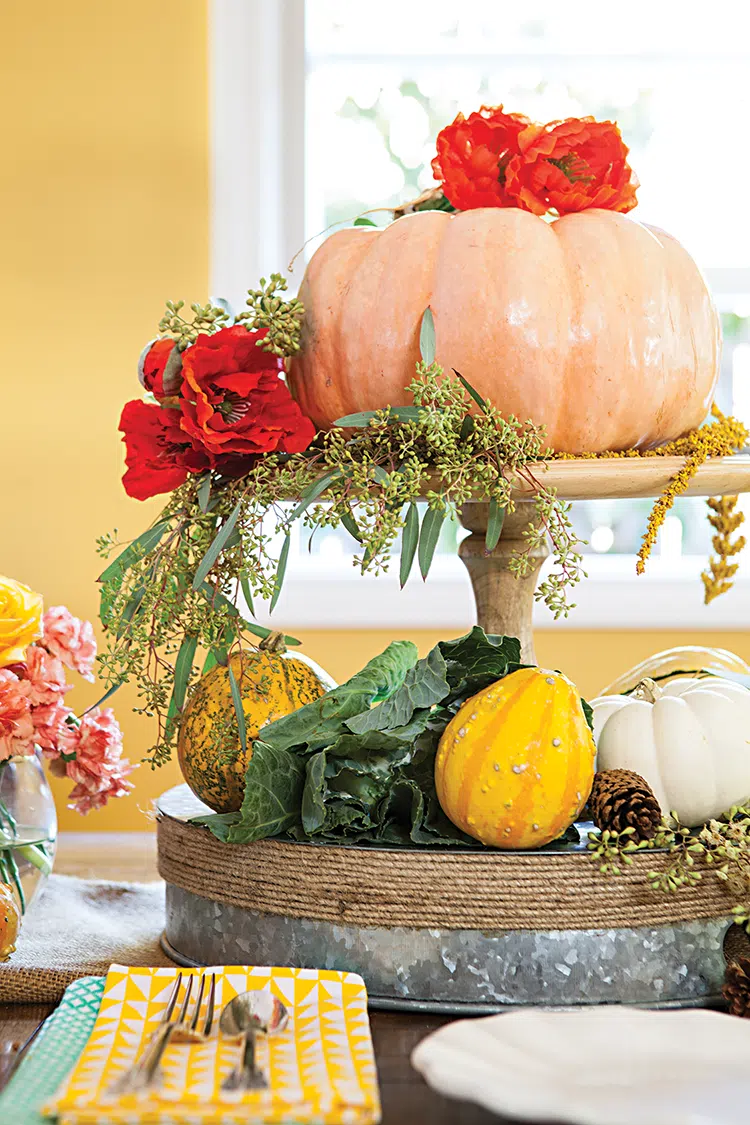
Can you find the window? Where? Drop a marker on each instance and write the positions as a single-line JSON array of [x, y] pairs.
[[374, 87]]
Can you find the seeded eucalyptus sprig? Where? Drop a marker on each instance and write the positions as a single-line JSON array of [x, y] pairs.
[[282, 317], [720, 846], [613, 850], [205, 319]]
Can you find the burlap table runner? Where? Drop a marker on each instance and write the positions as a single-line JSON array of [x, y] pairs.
[[78, 928]]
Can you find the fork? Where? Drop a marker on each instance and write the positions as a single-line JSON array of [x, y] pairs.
[[143, 1070]]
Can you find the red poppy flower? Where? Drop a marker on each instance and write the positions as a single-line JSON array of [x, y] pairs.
[[473, 154], [159, 455], [571, 166], [234, 405]]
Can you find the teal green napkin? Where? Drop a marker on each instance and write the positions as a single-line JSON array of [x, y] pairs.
[[53, 1054]]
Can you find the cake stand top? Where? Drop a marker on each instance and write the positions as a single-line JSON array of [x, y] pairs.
[[616, 478]]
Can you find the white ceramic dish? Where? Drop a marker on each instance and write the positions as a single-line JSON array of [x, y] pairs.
[[622, 1066]]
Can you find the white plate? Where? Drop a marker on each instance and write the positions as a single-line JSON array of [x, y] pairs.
[[619, 1066]]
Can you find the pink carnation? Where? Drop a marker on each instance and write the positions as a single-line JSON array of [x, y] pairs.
[[16, 727], [45, 676], [98, 769], [51, 727], [83, 800], [70, 639], [97, 744]]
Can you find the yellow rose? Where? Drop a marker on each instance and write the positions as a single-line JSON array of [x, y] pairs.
[[20, 620]]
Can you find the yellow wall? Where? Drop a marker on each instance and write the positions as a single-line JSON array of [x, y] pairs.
[[103, 215]]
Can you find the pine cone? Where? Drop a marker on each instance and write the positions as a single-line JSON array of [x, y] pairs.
[[623, 799], [736, 990]]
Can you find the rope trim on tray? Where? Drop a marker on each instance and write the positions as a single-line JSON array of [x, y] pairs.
[[453, 891]]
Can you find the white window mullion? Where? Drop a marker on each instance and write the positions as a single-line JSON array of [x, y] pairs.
[[257, 66]]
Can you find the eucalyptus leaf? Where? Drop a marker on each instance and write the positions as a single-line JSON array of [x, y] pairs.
[[204, 492], [274, 783], [409, 541], [146, 542], [495, 520], [280, 571], [217, 599], [427, 337], [351, 526], [214, 656], [182, 670], [467, 428], [405, 413], [218, 545], [107, 695], [432, 523], [474, 393], [363, 418], [316, 489], [238, 708], [356, 421], [130, 612], [247, 594]]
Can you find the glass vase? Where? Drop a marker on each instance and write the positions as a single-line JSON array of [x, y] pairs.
[[28, 827]]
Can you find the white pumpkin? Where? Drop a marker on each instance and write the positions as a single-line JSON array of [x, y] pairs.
[[690, 740]]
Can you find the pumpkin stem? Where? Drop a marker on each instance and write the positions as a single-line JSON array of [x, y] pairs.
[[274, 642], [432, 199], [647, 690]]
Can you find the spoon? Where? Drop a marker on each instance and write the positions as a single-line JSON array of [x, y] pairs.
[[247, 1013]]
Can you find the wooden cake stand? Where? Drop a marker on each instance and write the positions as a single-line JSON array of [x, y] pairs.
[[504, 602]]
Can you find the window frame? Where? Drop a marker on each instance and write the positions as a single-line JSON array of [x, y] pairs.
[[257, 57]]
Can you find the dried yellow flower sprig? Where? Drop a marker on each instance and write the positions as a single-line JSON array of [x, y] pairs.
[[726, 521], [720, 438]]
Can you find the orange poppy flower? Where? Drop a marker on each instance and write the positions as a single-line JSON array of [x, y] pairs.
[[473, 154], [571, 165]]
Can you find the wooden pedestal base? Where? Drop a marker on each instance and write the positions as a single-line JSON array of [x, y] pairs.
[[504, 602]]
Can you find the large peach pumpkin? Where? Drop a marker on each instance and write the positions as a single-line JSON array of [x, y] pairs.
[[595, 325]]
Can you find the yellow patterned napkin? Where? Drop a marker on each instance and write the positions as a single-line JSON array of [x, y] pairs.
[[321, 1068]]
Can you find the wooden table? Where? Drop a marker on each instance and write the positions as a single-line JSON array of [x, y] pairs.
[[407, 1100]]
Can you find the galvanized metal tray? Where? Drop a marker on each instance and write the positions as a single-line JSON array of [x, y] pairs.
[[459, 971]]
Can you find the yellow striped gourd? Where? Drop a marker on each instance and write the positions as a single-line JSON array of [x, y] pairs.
[[515, 765]]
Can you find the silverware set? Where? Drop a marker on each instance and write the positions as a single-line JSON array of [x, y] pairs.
[[241, 1018]]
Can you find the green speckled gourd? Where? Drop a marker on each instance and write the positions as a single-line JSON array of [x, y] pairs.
[[272, 682]]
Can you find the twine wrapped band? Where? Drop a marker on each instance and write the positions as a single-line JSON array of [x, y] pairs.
[[429, 888]]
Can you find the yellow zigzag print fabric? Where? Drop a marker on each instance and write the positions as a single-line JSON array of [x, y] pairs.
[[321, 1068]]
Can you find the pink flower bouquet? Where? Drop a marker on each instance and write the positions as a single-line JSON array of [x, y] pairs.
[[33, 713]]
